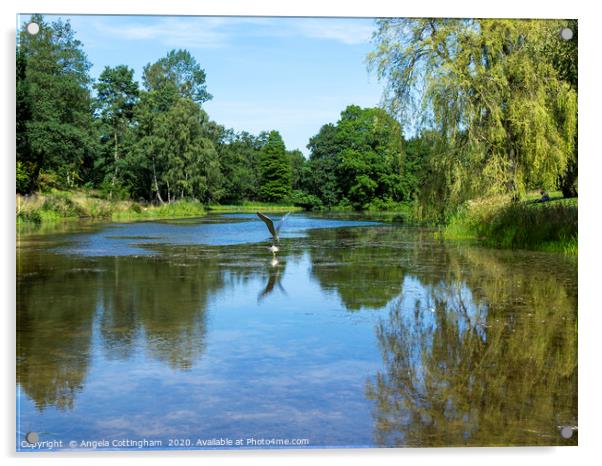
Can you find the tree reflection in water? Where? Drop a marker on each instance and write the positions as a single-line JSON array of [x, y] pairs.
[[60, 298], [497, 366], [479, 347], [55, 312]]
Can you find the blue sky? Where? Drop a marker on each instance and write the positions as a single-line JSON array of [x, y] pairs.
[[289, 74]]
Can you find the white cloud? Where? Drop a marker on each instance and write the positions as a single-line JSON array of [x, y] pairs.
[[212, 32], [182, 32], [350, 32]]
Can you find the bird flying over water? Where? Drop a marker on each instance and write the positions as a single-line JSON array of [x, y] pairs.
[[274, 231]]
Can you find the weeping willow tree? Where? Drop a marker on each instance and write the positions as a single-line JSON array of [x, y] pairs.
[[504, 118]]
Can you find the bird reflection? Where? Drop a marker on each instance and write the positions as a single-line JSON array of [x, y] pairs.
[[274, 279]]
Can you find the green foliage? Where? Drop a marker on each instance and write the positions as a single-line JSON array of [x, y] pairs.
[[188, 158], [173, 155], [177, 209], [117, 95], [358, 159], [415, 165], [55, 131], [388, 206], [239, 155], [299, 169], [154, 145], [564, 57], [254, 206], [61, 205], [493, 98], [491, 94], [176, 75], [322, 165], [550, 226], [275, 170], [306, 201], [25, 161], [23, 177]]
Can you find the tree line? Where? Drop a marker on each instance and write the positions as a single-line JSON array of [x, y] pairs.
[[496, 101], [150, 140], [491, 103]]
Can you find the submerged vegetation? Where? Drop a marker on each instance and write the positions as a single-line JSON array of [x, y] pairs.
[[491, 105]]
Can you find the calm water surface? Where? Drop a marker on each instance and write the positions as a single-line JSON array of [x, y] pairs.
[[363, 334]]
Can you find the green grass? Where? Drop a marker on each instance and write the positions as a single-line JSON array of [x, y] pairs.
[[254, 207], [569, 247], [62, 205], [57, 206], [397, 211], [550, 226], [178, 209]]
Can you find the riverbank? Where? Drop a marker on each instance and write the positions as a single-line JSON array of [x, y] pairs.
[[43, 208], [253, 207], [497, 222], [63, 205], [494, 222]]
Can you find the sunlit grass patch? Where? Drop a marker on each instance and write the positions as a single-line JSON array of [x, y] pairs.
[[61, 205], [254, 207], [178, 209], [549, 226]]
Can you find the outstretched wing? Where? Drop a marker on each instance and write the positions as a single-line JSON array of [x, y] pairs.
[[281, 222], [268, 221]]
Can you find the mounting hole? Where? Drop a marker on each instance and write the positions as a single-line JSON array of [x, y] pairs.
[[566, 432], [32, 437], [566, 34], [33, 28]]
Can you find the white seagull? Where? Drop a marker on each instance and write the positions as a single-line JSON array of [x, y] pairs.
[[273, 231]]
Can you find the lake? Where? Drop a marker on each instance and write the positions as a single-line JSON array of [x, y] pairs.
[[189, 334]]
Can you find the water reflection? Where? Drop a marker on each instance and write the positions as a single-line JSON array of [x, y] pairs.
[[376, 335], [55, 311], [127, 239], [362, 267], [275, 272], [163, 300], [493, 366]]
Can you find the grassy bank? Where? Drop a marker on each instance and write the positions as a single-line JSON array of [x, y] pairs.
[[494, 221], [253, 207], [498, 222], [62, 205]]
